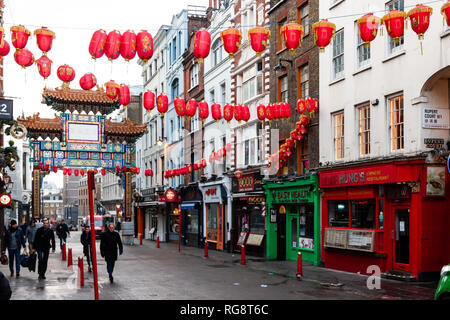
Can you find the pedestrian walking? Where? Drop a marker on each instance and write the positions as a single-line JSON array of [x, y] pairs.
[[5, 289], [118, 226], [14, 241], [62, 230], [110, 240], [44, 235], [85, 240], [30, 234]]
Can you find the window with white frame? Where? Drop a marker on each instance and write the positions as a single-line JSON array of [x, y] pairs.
[[217, 49], [174, 89], [303, 76], [195, 122], [252, 82], [194, 75], [283, 89], [364, 130], [174, 49], [338, 54], [395, 46], [223, 94], [396, 123], [212, 97], [303, 17], [338, 119], [246, 152], [362, 50]]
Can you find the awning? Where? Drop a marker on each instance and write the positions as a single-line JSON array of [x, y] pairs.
[[150, 203], [188, 205], [253, 193]]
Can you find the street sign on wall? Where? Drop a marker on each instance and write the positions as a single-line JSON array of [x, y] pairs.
[[6, 109]]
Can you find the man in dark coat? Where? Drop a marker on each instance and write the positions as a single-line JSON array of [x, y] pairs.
[[110, 240], [85, 240], [44, 235], [5, 289], [14, 241], [62, 230]]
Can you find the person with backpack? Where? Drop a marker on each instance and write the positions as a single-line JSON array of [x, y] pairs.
[[62, 230], [85, 240], [43, 241], [14, 241]]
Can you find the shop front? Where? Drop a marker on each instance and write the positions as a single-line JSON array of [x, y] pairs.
[[150, 215], [216, 213], [191, 216], [293, 218], [248, 222], [391, 215], [172, 200]]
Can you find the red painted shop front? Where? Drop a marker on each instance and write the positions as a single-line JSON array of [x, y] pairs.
[[394, 216]]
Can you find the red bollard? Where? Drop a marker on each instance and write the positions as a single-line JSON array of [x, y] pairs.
[[140, 239], [299, 267], [64, 252], [206, 249], [242, 255], [69, 258], [80, 272], [157, 241]]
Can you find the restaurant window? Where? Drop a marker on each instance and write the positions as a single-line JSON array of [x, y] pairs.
[[396, 123], [256, 220], [303, 18], [363, 214], [303, 79], [211, 223], [364, 130], [339, 135], [338, 213], [338, 54], [283, 89], [192, 221]]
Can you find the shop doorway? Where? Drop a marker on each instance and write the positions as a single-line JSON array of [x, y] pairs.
[[281, 234], [401, 239]]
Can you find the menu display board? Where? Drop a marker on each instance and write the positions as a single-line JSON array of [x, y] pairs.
[[336, 238], [360, 240], [255, 239], [242, 238]]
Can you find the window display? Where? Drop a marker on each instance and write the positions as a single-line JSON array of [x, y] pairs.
[[363, 214], [192, 221], [338, 213]]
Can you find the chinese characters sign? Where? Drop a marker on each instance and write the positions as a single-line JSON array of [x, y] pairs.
[[435, 118]]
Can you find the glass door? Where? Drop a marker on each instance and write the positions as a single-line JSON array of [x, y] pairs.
[[401, 239]]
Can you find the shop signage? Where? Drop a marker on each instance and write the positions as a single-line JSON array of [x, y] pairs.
[[255, 239], [435, 118], [293, 195], [282, 210], [398, 191], [6, 109], [212, 194], [169, 196], [36, 194], [434, 143], [248, 182], [253, 199], [435, 181], [361, 176], [5, 199], [242, 238], [361, 240], [306, 243]]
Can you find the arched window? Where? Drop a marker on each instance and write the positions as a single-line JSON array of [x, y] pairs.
[[217, 52]]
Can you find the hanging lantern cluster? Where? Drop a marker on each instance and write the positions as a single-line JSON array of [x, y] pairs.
[[183, 171], [292, 35], [202, 44], [323, 31], [310, 104], [220, 154], [125, 169], [275, 111], [259, 38], [231, 39], [200, 164]]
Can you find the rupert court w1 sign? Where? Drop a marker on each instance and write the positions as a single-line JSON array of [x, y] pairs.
[[6, 109]]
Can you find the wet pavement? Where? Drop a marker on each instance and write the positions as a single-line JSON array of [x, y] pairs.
[[148, 273]]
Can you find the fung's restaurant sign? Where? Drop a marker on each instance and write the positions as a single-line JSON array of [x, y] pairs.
[[363, 176]]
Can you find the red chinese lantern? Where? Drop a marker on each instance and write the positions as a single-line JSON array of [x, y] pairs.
[[276, 111], [66, 74], [420, 20], [445, 11], [82, 172], [394, 22], [269, 112], [258, 38], [301, 106], [76, 172], [128, 45], [245, 113], [44, 39], [117, 169], [261, 112], [150, 173], [177, 172], [203, 110], [312, 105], [69, 171], [368, 28], [4, 48], [228, 147], [231, 39], [55, 169], [137, 170], [215, 111], [323, 31], [180, 106], [103, 171], [64, 171], [97, 44], [292, 35], [95, 171], [287, 110], [2, 35], [191, 108], [203, 163], [237, 112], [47, 167], [124, 94], [124, 169], [212, 157], [228, 112], [283, 111], [112, 45], [44, 65], [196, 165], [88, 81], [144, 45], [19, 36], [149, 100], [23, 57], [290, 142], [112, 90], [304, 120], [162, 104], [202, 44]]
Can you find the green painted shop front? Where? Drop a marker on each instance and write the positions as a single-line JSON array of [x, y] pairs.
[[293, 219]]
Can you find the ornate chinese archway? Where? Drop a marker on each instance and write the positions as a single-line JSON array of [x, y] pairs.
[[80, 136]]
